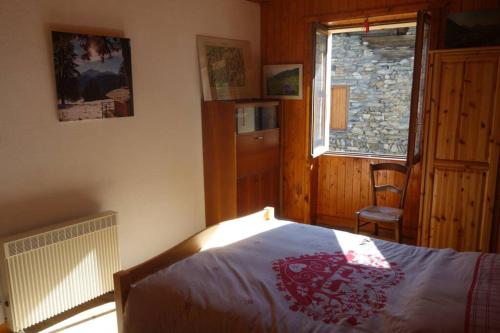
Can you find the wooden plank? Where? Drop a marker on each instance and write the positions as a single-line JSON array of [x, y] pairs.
[[335, 194], [449, 109], [365, 183], [476, 116], [341, 187], [322, 178], [356, 185], [339, 107], [349, 210]]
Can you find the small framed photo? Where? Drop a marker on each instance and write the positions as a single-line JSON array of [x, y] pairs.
[[226, 69], [283, 81]]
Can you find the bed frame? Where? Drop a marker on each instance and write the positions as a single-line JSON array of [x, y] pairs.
[[123, 280]]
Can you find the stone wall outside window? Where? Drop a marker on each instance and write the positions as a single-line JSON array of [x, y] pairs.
[[378, 67]]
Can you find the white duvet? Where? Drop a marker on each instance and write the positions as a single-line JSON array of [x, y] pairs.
[[277, 276]]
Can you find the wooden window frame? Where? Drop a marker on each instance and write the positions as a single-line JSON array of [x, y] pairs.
[[323, 111], [417, 106], [417, 94]]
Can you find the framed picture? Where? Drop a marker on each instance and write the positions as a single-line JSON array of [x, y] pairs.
[[226, 69], [473, 29], [283, 81], [93, 76]]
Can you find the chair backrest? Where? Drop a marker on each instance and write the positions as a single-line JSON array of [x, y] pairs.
[[405, 170]]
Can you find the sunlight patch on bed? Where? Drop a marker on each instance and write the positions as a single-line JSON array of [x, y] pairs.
[[364, 245], [236, 230]]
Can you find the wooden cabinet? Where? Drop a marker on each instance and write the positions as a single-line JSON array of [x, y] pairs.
[[462, 150], [241, 157]]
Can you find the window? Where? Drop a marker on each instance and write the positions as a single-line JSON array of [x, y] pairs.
[[374, 96]]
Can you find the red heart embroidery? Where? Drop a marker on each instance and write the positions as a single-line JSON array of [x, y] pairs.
[[332, 287]]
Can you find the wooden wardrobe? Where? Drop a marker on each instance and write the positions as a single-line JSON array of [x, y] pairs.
[[462, 149]]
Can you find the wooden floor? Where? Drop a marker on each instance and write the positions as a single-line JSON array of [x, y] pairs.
[[96, 316], [4, 329]]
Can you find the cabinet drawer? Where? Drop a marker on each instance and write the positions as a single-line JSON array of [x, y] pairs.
[[250, 164], [255, 142], [257, 152]]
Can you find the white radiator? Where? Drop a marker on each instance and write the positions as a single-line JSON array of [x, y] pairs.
[[53, 270]]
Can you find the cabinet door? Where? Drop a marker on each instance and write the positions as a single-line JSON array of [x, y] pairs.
[[258, 170], [462, 150]]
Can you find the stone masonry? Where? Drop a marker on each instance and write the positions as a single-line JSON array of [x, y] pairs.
[[378, 67]]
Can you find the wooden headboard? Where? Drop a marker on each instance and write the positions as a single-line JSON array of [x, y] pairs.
[[124, 279]]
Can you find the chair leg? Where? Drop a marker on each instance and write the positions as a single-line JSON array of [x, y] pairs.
[[356, 227], [375, 228], [398, 231]]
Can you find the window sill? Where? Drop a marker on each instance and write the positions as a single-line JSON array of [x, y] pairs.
[[401, 158]]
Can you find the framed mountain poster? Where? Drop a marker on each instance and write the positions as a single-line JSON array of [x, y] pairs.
[[93, 76]]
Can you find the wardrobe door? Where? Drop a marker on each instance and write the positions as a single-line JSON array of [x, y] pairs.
[[462, 150]]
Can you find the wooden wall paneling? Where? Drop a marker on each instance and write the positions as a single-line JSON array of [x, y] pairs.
[[286, 38], [345, 188], [351, 8], [287, 46]]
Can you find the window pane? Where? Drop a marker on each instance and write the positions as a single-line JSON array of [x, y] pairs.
[[378, 68], [320, 94]]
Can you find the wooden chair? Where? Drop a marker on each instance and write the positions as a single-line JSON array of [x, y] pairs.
[[381, 214]]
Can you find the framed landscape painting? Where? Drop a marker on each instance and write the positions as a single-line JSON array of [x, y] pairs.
[[93, 76], [283, 81], [226, 69]]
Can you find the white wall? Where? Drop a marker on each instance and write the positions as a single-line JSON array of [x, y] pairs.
[[148, 167]]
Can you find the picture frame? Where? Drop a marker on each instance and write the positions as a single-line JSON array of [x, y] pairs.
[[226, 69], [283, 81], [93, 76]]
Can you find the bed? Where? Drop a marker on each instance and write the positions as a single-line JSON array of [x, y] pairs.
[[262, 274]]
